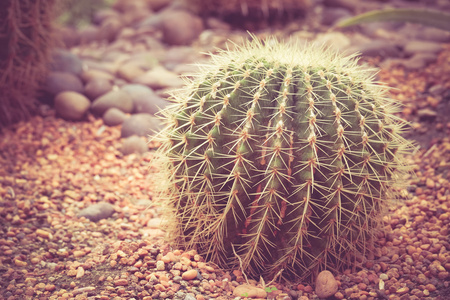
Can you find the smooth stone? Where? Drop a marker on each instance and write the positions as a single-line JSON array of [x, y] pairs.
[[144, 202], [435, 35], [97, 212], [437, 89], [426, 114], [97, 87], [145, 100], [419, 60], [179, 55], [92, 74], [154, 223], [413, 47], [416, 62], [71, 106], [249, 291], [58, 82], [134, 144], [378, 30], [145, 60], [189, 275], [180, 27], [186, 69], [65, 61], [326, 284], [336, 40], [377, 48], [411, 31], [118, 99], [129, 71], [114, 117], [107, 68], [160, 78], [141, 125]]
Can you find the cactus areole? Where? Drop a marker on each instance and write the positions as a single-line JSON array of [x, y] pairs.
[[280, 159]]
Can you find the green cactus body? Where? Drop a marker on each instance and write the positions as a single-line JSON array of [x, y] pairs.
[[280, 159]]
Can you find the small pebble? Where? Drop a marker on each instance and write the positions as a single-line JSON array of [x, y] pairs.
[[121, 282], [80, 272], [384, 276], [189, 275], [160, 265], [326, 284], [44, 234], [78, 253], [20, 263]]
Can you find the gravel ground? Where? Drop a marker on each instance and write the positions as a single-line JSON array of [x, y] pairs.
[[53, 172], [53, 168]]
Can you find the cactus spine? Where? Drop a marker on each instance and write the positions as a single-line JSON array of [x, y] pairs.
[[280, 158]]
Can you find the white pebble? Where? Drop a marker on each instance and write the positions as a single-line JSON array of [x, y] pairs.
[[160, 266]]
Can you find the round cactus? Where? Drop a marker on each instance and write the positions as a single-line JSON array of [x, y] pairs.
[[280, 158]]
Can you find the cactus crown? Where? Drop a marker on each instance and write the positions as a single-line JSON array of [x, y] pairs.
[[280, 158]]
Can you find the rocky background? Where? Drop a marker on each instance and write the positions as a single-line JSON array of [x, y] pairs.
[[78, 219]]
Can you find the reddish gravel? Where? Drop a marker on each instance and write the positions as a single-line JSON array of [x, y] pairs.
[[51, 169]]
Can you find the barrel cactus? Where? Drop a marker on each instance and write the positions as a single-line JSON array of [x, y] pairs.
[[277, 158]]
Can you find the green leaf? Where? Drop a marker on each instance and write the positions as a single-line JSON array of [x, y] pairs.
[[270, 289], [431, 18]]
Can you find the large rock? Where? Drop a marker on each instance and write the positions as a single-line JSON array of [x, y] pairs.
[[140, 125], [65, 61], [326, 284], [418, 46], [118, 99], [97, 87], [58, 82], [130, 70], [159, 78], [179, 55], [92, 74], [336, 40], [145, 100], [414, 31], [180, 27], [134, 144], [71, 106], [382, 48], [114, 116]]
